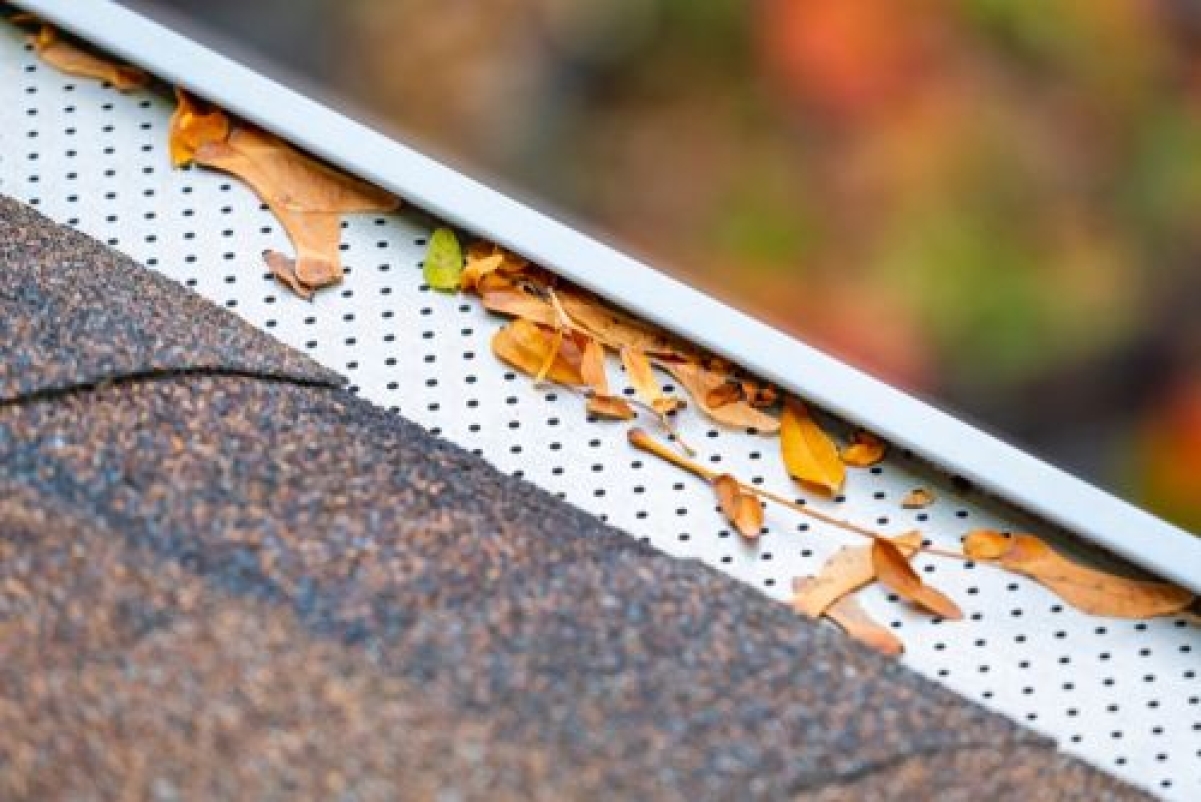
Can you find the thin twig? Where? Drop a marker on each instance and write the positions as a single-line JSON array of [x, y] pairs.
[[640, 439]]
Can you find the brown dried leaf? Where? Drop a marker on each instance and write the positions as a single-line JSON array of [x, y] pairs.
[[68, 58], [699, 382], [284, 270], [743, 509], [850, 616], [864, 451], [759, 396], [809, 454], [193, 126], [894, 572], [1087, 589], [307, 197], [849, 569], [723, 394], [528, 346], [592, 369], [918, 498]]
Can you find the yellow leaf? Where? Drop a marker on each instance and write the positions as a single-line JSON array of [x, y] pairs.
[[592, 369], [849, 569], [864, 451], [809, 454], [850, 616], [70, 59], [743, 509], [527, 347], [192, 127], [1087, 589], [642, 377], [918, 498], [893, 570], [699, 383]]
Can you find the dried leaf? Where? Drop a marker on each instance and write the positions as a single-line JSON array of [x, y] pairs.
[[527, 347], [743, 509], [918, 498], [68, 58], [699, 382], [642, 377], [192, 127], [284, 270], [894, 572], [725, 393], [443, 261], [759, 396], [864, 451], [516, 302], [849, 569], [307, 197], [850, 616], [602, 403], [618, 330], [809, 454], [1087, 589]]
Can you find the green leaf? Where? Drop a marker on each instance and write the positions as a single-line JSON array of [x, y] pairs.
[[443, 261]]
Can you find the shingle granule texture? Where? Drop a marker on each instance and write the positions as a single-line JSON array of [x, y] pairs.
[[223, 577]]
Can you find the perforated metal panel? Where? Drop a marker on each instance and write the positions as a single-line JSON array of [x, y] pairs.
[[1123, 695]]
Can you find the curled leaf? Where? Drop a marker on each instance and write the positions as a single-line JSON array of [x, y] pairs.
[[193, 126], [699, 382], [847, 570], [759, 396], [70, 59], [864, 451], [852, 619], [893, 570], [1087, 589], [443, 261], [918, 498], [809, 454], [592, 369], [618, 330], [477, 269], [528, 347], [743, 509]]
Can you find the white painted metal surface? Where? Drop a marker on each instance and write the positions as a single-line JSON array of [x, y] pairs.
[[1006, 471], [1123, 695]]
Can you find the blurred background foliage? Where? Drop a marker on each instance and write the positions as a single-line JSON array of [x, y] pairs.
[[992, 203]]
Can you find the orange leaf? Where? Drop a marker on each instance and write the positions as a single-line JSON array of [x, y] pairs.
[[527, 346], [70, 59], [918, 498], [864, 451], [894, 572], [809, 454], [699, 382], [476, 269], [191, 127], [618, 330], [516, 302], [850, 616], [592, 370], [849, 569], [1087, 589], [742, 508]]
